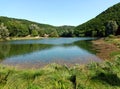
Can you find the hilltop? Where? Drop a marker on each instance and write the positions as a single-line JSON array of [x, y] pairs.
[[106, 23]]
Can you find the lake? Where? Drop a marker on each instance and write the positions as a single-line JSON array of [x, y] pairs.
[[48, 50]]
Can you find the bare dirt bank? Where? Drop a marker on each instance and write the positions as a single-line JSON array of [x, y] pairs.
[[104, 48]]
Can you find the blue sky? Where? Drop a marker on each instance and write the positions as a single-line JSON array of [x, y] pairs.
[[55, 12]]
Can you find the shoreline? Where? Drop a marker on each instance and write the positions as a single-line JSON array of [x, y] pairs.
[[104, 48], [21, 38]]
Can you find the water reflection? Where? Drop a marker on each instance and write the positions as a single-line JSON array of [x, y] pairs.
[[72, 50], [8, 50]]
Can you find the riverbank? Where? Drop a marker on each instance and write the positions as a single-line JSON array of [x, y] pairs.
[[106, 47], [54, 76], [22, 38]]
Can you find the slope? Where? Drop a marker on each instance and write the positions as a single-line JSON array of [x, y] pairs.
[[102, 25]]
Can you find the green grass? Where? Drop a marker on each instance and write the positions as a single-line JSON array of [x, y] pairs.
[[92, 76], [115, 53], [116, 41]]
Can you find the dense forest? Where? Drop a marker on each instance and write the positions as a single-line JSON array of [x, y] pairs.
[[106, 23], [20, 28]]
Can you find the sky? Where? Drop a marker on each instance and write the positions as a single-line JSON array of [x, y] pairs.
[[55, 12]]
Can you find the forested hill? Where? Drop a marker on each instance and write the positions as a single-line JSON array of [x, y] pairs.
[[106, 23], [20, 28]]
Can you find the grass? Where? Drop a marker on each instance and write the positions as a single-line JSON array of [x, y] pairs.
[[116, 41], [92, 76], [114, 53], [105, 75]]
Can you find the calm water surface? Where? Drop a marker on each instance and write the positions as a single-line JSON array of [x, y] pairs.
[[47, 50]]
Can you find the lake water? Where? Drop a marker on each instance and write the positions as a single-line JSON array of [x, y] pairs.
[[48, 50]]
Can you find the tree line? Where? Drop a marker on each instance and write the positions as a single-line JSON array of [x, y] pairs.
[[10, 27], [105, 24]]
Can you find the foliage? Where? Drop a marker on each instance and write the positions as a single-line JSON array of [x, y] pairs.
[[53, 34], [22, 28], [33, 30], [34, 33], [106, 23], [54, 76], [111, 28], [3, 31], [65, 31], [114, 53]]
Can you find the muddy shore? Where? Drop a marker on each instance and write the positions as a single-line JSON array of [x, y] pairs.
[[104, 48]]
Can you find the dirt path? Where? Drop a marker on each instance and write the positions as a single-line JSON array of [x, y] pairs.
[[104, 48]]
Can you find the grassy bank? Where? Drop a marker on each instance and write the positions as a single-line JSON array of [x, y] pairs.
[[116, 41], [105, 75], [54, 76]]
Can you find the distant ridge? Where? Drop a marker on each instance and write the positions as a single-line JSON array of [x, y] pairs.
[[22, 27]]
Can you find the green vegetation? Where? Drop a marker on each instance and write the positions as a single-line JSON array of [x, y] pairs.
[[92, 76], [23, 28], [114, 53], [105, 24], [53, 76], [66, 31], [116, 41], [3, 31]]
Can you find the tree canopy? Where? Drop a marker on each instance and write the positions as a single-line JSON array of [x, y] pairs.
[[3, 31], [106, 23], [22, 28]]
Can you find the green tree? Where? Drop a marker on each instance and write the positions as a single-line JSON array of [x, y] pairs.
[[4, 33], [94, 33], [54, 34], [100, 22], [34, 33], [33, 29], [111, 28]]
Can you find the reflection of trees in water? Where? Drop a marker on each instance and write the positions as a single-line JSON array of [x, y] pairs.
[[4, 50], [87, 45], [8, 50]]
